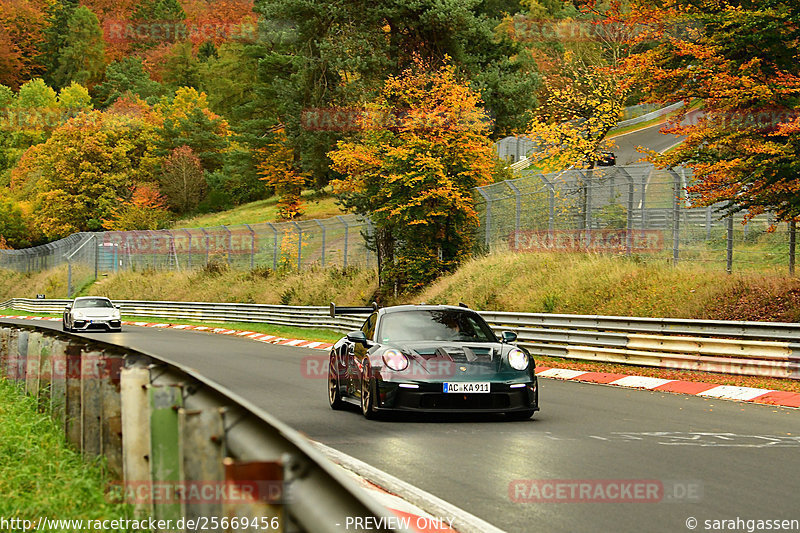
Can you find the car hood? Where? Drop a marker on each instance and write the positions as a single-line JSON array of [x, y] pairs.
[[95, 312], [454, 358]]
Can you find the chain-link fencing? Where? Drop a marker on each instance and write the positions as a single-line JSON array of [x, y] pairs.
[[337, 241], [632, 210], [635, 210]]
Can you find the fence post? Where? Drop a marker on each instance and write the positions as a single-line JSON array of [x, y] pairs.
[[252, 246], [346, 228], [274, 247], [587, 209], [229, 244], [551, 209], [299, 245], [205, 234], [518, 207], [676, 217], [189, 255], [792, 245], [96, 255], [729, 245], [488, 221], [323, 240], [153, 244], [708, 223], [629, 213]]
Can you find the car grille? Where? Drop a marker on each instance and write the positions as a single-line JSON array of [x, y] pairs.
[[464, 401]]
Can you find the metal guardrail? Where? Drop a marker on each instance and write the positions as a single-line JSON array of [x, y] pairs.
[[165, 429], [769, 349]]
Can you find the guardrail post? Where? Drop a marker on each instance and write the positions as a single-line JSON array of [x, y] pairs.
[[58, 383], [32, 362], [346, 228], [91, 405], [166, 461], [323, 241], [203, 434], [72, 409], [111, 437], [135, 418]]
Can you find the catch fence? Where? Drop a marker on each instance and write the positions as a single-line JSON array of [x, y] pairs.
[[635, 210]]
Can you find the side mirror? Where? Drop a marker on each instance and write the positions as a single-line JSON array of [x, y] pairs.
[[118, 306], [67, 308], [508, 336], [357, 336]]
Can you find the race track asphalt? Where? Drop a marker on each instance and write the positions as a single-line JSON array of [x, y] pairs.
[[714, 459]]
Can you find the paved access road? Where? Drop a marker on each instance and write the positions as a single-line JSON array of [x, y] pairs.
[[735, 460]]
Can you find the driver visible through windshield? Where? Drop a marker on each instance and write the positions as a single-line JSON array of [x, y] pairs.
[[96, 302], [450, 325]]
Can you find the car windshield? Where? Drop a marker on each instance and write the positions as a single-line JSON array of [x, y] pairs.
[[93, 303], [449, 325]]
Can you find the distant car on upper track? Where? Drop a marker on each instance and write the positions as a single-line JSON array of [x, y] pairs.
[[91, 313], [433, 359]]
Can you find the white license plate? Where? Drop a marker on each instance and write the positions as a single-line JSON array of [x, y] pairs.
[[466, 387]]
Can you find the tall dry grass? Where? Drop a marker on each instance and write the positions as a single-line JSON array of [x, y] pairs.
[[535, 282]]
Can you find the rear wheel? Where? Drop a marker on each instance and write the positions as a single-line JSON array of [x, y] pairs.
[[368, 392], [334, 393]]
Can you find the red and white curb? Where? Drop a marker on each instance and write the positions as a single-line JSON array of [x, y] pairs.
[[696, 388], [261, 337]]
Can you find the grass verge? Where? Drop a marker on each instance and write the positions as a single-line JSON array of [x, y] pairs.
[[40, 475]]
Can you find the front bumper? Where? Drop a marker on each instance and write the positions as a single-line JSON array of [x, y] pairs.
[[97, 324], [430, 398]]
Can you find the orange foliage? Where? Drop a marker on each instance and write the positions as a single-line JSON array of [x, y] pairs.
[[277, 167]]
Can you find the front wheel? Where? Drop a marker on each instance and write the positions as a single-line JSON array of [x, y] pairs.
[[64, 326], [334, 393], [368, 390]]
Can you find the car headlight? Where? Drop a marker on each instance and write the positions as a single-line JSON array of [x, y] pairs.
[[77, 314], [395, 360], [518, 359]]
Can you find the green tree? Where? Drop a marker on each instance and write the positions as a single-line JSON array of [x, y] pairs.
[[35, 94], [126, 77], [55, 37], [82, 57], [74, 98]]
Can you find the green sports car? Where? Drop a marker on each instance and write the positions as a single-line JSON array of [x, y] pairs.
[[433, 359]]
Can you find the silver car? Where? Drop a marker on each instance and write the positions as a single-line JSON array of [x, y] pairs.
[[91, 313]]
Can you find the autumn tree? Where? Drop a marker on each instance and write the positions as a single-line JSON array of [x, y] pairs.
[[186, 120], [423, 148], [86, 166], [740, 59], [13, 230], [182, 179], [22, 24], [146, 209], [278, 168], [581, 106]]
